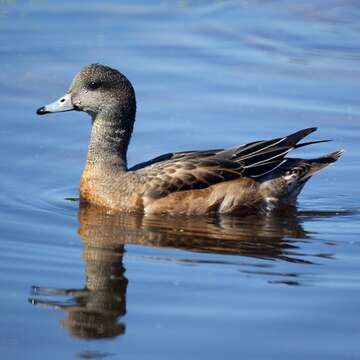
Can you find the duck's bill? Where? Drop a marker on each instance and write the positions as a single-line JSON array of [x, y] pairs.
[[60, 105]]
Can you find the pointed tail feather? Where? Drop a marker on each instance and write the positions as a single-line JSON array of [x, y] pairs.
[[311, 143], [330, 157], [322, 162]]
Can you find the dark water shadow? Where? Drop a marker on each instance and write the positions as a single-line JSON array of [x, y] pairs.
[[95, 311]]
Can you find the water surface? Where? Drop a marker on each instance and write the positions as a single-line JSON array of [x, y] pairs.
[[77, 282]]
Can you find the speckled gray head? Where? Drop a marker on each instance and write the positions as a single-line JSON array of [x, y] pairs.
[[97, 89]]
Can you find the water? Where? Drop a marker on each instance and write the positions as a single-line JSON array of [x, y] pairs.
[[80, 283]]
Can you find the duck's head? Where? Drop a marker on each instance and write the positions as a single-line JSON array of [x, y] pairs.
[[97, 89]]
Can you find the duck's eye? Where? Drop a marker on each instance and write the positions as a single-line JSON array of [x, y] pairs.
[[94, 85]]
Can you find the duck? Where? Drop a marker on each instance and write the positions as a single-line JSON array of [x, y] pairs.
[[254, 177]]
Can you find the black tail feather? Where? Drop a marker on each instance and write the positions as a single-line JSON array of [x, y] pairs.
[[311, 143], [292, 139]]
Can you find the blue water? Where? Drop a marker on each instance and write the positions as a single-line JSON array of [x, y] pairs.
[[80, 283]]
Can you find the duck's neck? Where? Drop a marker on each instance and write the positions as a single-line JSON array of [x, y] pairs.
[[109, 141]]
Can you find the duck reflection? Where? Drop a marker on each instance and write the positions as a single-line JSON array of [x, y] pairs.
[[255, 236], [96, 310]]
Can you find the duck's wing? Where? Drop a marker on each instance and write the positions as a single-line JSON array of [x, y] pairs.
[[174, 175], [200, 169]]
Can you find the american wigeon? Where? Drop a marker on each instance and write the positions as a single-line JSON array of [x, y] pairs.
[[248, 178]]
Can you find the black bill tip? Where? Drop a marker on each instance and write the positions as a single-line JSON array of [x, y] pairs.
[[42, 111]]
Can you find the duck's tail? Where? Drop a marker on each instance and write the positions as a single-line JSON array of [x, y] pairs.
[[282, 186]]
